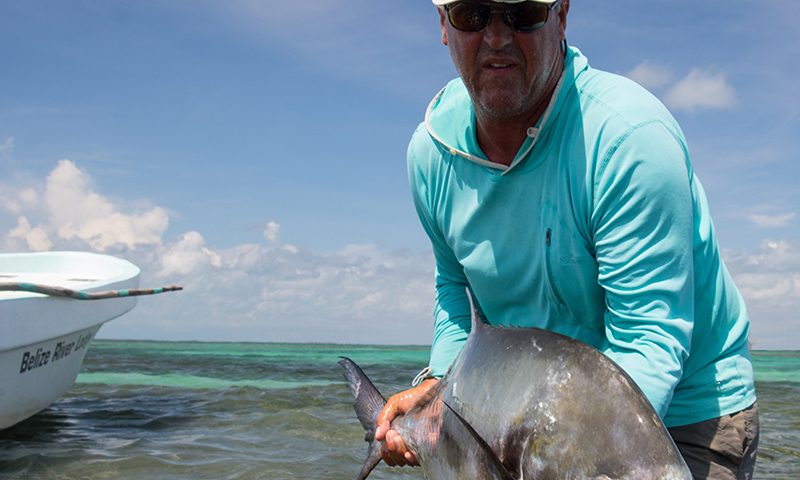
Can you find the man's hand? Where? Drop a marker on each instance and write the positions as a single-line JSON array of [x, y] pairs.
[[394, 450]]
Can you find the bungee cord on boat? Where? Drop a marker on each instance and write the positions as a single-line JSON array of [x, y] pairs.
[[83, 295]]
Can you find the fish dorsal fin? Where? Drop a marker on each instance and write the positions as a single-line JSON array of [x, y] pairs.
[[478, 318], [490, 459]]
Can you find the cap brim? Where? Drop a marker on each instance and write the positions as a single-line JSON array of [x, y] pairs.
[[445, 2]]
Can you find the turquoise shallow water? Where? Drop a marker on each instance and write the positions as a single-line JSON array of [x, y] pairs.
[[178, 410]]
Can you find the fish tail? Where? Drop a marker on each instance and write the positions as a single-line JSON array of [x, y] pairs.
[[368, 404]]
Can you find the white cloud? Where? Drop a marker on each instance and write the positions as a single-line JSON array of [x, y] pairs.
[[7, 148], [768, 287], [270, 291], [701, 89], [76, 212], [650, 76], [777, 220], [769, 279], [187, 255], [267, 292], [67, 208], [777, 256], [34, 238], [26, 198], [271, 231]]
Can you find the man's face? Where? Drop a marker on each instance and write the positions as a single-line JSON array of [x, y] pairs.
[[507, 72]]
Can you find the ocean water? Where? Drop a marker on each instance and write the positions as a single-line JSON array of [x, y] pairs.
[[164, 410]]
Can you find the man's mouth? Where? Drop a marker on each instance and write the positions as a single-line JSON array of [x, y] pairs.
[[499, 64]]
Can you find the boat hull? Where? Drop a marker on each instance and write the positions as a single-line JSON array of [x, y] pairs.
[[34, 376], [43, 340]]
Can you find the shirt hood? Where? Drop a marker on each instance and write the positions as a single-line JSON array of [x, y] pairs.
[[450, 117]]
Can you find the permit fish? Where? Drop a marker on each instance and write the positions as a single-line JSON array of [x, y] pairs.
[[525, 403]]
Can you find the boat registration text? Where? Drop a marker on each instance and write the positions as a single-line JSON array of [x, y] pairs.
[[43, 356]]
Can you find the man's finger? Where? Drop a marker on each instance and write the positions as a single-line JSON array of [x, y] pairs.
[[389, 411], [385, 418], [380, 432], [394, 450], [388, 455], [400, 449]]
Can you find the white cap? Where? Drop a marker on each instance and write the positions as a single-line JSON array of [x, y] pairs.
[[445, 2]]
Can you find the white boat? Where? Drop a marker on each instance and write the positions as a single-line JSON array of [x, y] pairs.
[[44, 336]]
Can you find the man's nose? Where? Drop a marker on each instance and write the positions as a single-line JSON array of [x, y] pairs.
[[497, 34]]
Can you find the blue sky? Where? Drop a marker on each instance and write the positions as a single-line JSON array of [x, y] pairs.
[[254, 151]]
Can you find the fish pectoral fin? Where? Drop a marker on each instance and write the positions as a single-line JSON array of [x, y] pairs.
[[490, 458]]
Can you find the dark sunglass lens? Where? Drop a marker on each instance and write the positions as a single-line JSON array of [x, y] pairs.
[[469, 17], [527, 16]]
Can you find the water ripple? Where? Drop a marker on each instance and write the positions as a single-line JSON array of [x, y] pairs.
[[169, 411]]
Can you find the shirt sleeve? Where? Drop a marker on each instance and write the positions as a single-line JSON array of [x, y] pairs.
[[451, 308], [642, 225]]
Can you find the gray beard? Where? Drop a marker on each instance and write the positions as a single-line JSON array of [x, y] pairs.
[[504, 106]]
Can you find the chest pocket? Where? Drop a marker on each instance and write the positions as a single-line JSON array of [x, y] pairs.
[[552, 286], [570, 270]]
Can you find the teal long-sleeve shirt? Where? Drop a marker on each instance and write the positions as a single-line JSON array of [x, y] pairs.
[[598, 230]]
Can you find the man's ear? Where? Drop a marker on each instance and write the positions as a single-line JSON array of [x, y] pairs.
[[442, 24], [563, 10]]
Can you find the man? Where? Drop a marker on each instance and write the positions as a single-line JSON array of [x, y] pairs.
[[564, 198]]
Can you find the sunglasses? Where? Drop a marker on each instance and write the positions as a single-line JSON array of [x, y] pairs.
[[475, 16]]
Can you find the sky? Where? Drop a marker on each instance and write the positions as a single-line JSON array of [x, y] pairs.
[[254, 151]]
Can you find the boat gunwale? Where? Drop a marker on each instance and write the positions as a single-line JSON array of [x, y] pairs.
[[111, 270]]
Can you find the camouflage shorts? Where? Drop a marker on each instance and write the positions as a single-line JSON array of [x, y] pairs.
[[721, 448]]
